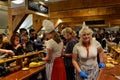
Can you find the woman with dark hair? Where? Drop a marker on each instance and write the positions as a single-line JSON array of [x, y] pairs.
[[16, 46]]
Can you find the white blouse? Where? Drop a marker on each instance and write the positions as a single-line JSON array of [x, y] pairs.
[[81, 52], [55, 47]]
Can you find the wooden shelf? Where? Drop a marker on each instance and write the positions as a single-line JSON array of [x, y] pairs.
[[20, 57]]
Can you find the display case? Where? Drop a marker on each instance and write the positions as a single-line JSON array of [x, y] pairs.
[[115, 52], [21, 63]]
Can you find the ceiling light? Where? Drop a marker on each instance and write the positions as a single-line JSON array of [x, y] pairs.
[[18, 1], [46, 0], [59, 20]]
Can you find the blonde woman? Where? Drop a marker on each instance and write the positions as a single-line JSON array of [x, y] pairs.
[[84, 56], [70, 36], [55, 69]]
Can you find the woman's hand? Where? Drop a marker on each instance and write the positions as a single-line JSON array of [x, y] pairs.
[[102, 65], [19, 45], [24, 46], [83, 75], [9, 52]]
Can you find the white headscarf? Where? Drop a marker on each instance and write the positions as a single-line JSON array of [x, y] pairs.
[[48, 26], [84, 27]]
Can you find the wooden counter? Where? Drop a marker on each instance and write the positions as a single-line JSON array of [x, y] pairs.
[[106, 73], [23, 75], [116, 49], [20, 56]]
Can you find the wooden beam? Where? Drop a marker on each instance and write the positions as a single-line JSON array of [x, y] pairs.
[[20, 16], [18, 11], [24, 10], [81, 19], [3, 3], [80, 4], [86, 12], [10, 29], [14, 21], [37, 22], [115, 22], [99, 26], [18, 20], [107, 18], [80, 24]]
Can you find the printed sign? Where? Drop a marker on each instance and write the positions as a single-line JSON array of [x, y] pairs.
[[37, 7]]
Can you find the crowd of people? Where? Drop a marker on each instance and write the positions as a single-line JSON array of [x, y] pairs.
[[22, 42], [106, 37], [80, 56], [67, 57]]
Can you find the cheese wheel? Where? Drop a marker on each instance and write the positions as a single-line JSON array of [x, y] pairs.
[[109, 65]]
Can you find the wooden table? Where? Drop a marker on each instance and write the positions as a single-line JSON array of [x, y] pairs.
[[106, 73], [23, 75]]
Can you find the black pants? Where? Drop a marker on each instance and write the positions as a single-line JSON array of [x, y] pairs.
[[70, 73]]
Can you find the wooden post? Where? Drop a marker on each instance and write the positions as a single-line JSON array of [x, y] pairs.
[[37, 22]]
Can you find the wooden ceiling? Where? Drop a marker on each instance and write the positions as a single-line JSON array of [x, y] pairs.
[[74, 12]]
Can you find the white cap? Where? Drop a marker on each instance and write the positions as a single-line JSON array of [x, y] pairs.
[[83, 27], [48, 26]]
